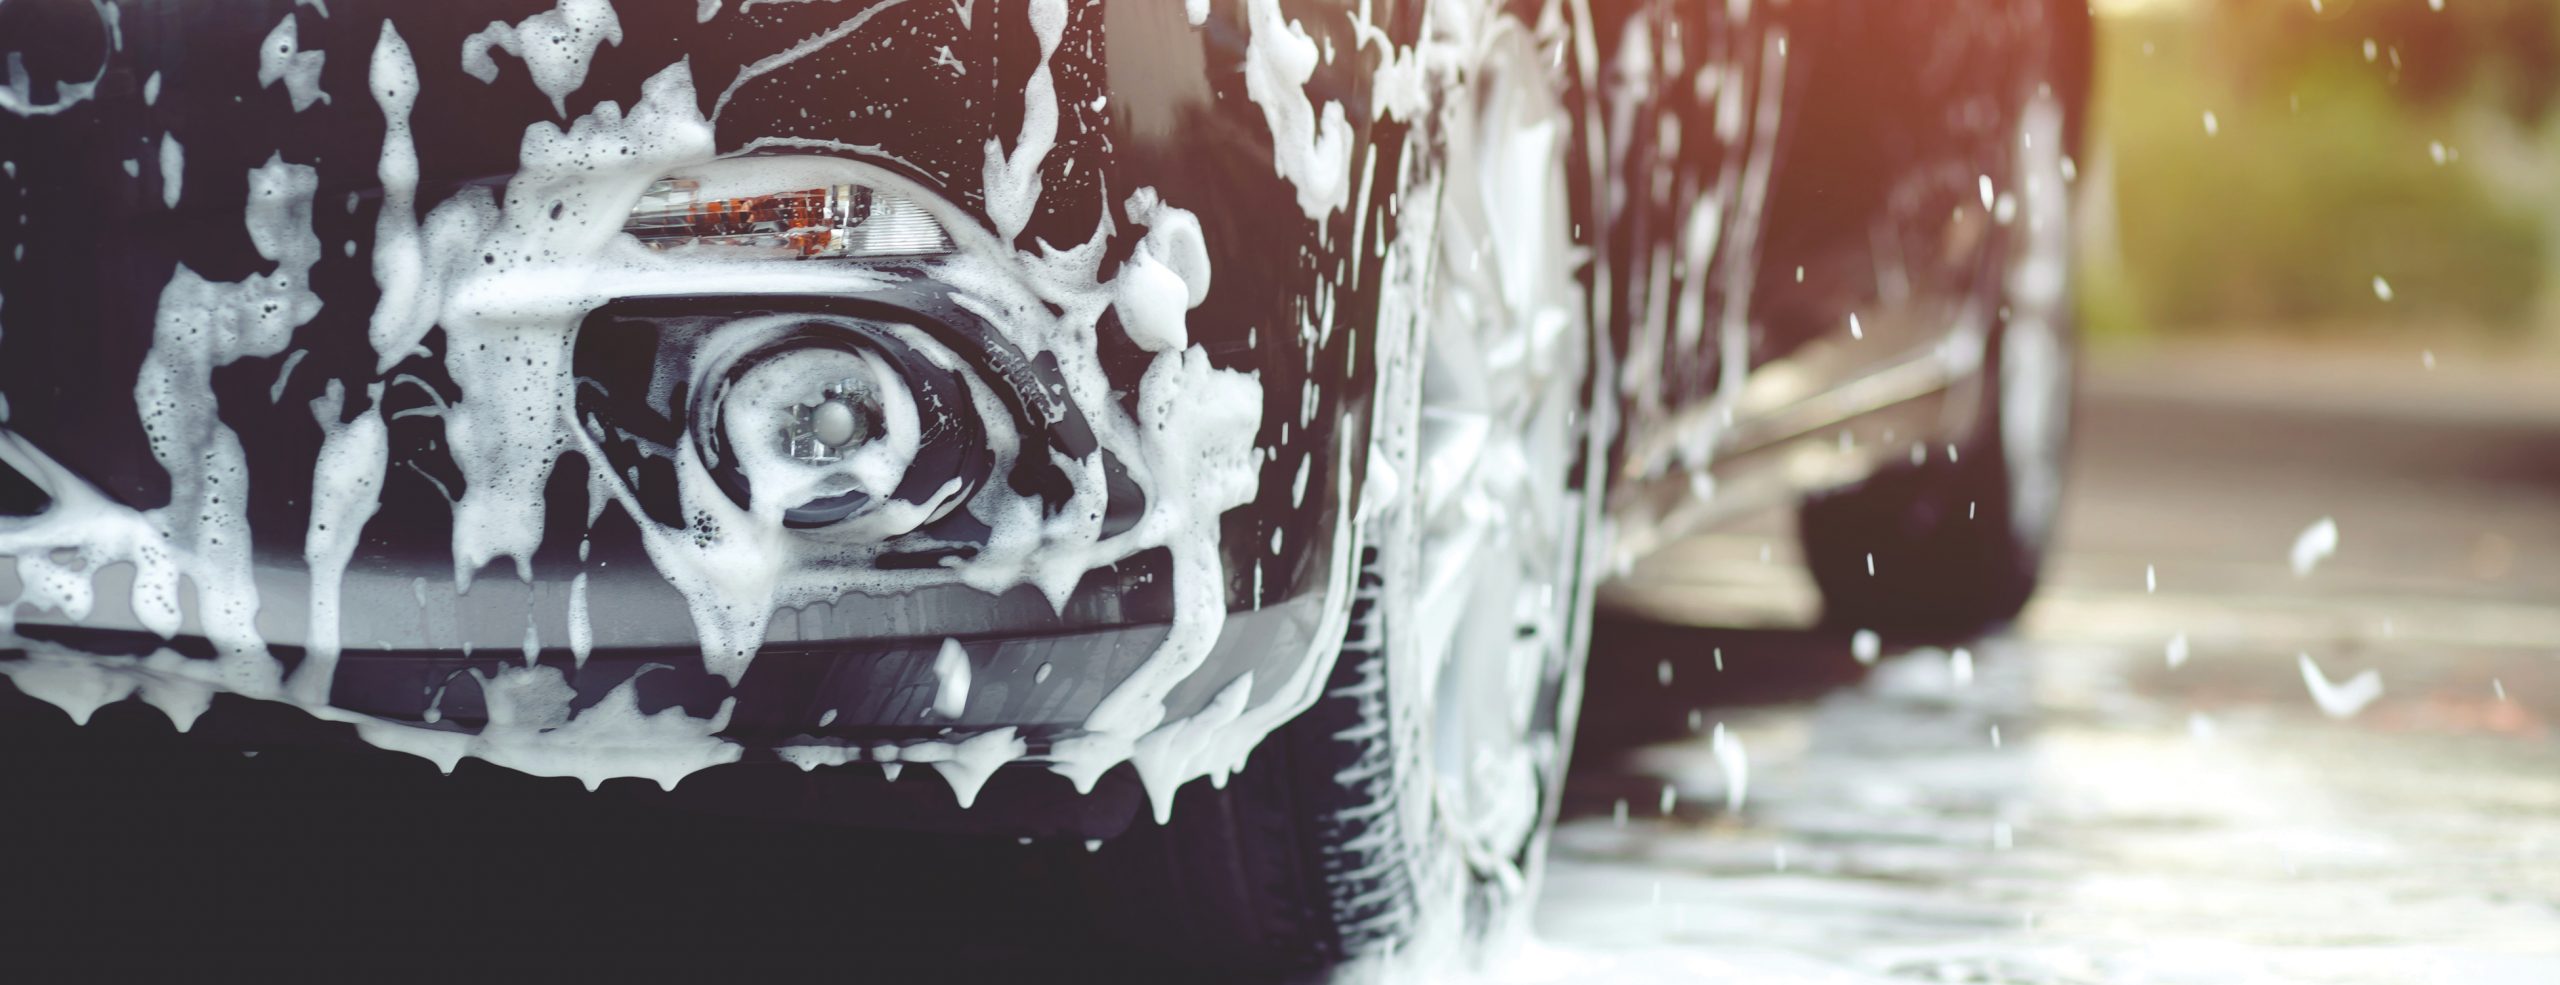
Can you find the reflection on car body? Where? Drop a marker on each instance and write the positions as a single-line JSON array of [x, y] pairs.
[[1233, 390]]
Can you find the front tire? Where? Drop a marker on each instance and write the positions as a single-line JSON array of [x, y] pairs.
[[1404, 815]]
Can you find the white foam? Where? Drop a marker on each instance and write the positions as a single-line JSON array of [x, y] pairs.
[[556, 46], [1164, 278], [80, 684], [2340, 700], [973, 760], [400, 316], [1200, 422], [811, 757], [1013, 180], [1735, 762], [509, 275], [766, 65], [1866, 646], [1310, 147], [200, 326], [281, 57], [2313, 545], [582, 634], [1168, 756], [173, 169], [510, 317], [532, 729], [17, 91], [346, 490], [951, 679]]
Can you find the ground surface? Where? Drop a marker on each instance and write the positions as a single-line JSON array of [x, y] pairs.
[[2128, 821]]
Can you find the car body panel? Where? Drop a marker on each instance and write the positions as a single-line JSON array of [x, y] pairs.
[[1828, 161], [1734, 142], [928, 92]]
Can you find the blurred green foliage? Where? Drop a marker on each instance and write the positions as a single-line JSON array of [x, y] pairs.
[[2324, 167]]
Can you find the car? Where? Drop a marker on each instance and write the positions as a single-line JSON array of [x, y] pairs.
[[1078, 401]]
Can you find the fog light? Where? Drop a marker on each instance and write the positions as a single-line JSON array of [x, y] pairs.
[[847, 414], [832, 422]]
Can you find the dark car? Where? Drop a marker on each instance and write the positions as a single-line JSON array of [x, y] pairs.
[[1076, 399]]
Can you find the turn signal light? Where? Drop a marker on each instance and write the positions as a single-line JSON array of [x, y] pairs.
[[833, 222]]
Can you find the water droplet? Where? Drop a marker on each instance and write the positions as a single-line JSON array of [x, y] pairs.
[[2315, 543]]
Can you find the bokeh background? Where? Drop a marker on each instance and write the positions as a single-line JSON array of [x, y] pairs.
[[2320, 291], [2261, 162]]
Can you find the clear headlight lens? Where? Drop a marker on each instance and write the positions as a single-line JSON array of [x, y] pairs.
[[824, 430], [833, 222], [843, 415]]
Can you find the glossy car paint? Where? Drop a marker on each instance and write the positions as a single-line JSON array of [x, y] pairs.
[[1737, 143]]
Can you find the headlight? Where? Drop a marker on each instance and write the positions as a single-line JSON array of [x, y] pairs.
[[837, 221], [812, 427], [841, 425]]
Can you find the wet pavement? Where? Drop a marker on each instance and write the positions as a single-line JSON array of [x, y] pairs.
[[2063, 802], [2058, 805]]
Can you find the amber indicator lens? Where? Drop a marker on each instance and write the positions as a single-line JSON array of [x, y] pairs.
[[834, 222]]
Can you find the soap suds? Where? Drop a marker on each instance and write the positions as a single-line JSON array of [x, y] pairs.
[[950, 680], [1013, 180], [2344, 699], [1164, 278], [1310, 147], [173, 169], [2313, 545], [281, 57], [17, 89], [200, 326], [556, 46], [346, 490], [582, 634], [80, 683], [507, 275], [766, 65], [532, 728]]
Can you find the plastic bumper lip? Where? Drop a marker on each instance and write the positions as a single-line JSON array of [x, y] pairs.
[[834, 692]]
